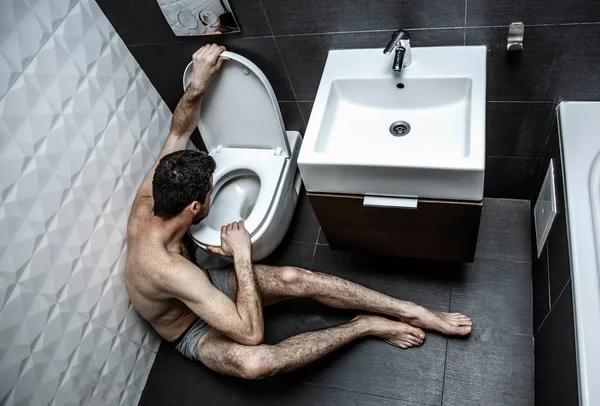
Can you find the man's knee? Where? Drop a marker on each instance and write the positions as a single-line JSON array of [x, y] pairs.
[[291, 275], [256, 366]]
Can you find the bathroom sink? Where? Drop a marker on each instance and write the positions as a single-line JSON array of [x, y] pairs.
[[418, 133]]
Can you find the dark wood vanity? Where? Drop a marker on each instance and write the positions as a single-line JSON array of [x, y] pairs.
[[436, 229]]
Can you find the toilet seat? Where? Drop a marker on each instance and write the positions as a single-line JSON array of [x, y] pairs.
[[230, 162]]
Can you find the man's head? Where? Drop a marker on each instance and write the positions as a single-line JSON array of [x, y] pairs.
[[183, 181]]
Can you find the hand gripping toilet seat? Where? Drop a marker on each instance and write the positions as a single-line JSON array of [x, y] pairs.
[[240, 109]]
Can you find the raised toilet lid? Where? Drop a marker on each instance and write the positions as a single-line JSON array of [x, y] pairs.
[[240, 110]]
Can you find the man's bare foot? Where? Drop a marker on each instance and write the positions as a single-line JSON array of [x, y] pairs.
[[393, 332], [446, 323]]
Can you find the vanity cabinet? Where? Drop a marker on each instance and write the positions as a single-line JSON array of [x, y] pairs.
[[436, 229]]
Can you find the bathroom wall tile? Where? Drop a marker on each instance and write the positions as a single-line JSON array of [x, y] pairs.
[[313, 16], [86, 365], [25, 27], [555, 355], [137, 379], [114, 376], [251, 18], [306, 108], [541, 294], [6, 287], [482, 12], [559, 260], [151, 340], [322, 238], [507, 177], [22, 320], [113, 305], [551, 151], [304, 226], [142, 22], [292, 117], [557, 64], [486, 286], [490, 368], [304, 56], [137, 21], [133, 326], [69, 88], [164, 63], [40, 377], [90, 273], [517, 129], [504, 231]]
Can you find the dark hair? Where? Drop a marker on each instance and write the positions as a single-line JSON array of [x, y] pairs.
[[181, 178]]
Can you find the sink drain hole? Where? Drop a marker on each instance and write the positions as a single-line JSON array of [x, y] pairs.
[[399, 128]]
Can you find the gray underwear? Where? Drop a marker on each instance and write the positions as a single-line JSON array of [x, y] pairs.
[[186, 343]]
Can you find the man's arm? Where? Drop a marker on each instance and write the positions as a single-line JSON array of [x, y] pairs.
[[235, 242], [185, 282], [207, 62], [241, 321]]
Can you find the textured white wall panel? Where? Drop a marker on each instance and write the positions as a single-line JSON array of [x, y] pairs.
[[80, 124], [24, 26]]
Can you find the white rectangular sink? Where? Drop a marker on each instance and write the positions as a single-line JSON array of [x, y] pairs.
[[357, 142]]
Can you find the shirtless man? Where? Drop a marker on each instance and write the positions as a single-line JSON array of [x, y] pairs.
[[215, 315]]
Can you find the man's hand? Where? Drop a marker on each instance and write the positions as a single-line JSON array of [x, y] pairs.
[[207, 62], [235, 241]]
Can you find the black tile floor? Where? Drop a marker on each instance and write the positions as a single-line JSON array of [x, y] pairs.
[[493, 366]]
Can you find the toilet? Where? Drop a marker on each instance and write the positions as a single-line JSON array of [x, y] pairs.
[[256, 178]]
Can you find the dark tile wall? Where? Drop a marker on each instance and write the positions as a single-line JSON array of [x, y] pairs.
[[289, 41], [553, 322]]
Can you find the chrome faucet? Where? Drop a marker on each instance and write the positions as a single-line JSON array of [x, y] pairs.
[[400, 41]]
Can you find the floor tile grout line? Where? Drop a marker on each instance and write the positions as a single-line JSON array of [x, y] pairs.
[[312, 261], [355, 391], [550, 311], [42, 45], [446, 353]]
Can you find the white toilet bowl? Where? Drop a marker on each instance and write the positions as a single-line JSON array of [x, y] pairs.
[[256, 178]]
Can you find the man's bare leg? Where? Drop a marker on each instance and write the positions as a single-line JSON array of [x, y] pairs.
[[221, 354], [278, 283]]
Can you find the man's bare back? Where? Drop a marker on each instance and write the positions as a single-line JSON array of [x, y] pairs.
[[148, 259]]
